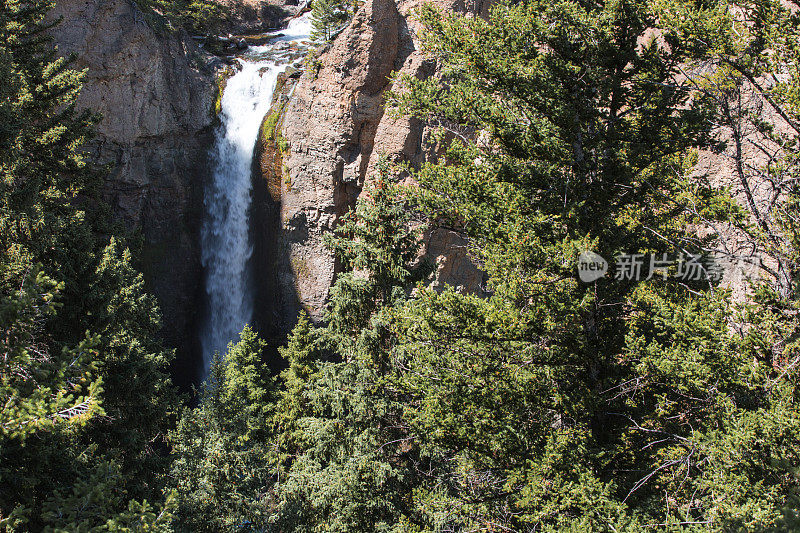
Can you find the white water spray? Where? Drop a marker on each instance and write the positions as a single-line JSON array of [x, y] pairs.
[[226, 246]]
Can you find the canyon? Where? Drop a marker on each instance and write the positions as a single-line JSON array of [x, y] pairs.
[[158, 94], [325, 130]]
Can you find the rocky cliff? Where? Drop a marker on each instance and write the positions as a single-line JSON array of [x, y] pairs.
[[254, 16], [333, 129], [319, 147], [155, 90], [331, 133]]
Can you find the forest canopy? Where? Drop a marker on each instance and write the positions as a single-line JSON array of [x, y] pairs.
[[540, 402]]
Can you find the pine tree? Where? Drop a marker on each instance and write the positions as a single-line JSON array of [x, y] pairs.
[[343, 462], [197, 16], [84, 387], [377, 240], [550, 404], [555, 405], [327, 18], [224, 461], [303, 361]]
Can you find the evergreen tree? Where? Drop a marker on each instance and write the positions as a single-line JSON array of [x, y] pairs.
[[303, 359], [554, 405], [197, 16], [224, 460], [344, 461], [84, 387], [550, 405], [327, 18]]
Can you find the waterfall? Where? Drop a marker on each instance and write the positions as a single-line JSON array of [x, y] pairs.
[[225, 238]]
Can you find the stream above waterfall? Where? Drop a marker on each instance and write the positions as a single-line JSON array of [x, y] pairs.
[[226, 245]]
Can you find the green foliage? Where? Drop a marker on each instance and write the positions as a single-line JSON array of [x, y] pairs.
[[753, 43], [312, 62], [302, 357], [342, 465], [82, 380], [377, 236], [223, 458], [714, 407], [339, 453], [540, 404], [33, 385], [551, 404], [269, 126], [328, 17], [196, 16]]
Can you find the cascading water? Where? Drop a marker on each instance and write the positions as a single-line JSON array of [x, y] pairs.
[[226, 246]]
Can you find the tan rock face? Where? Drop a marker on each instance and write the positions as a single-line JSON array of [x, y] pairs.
[[336, 131], [155, 92], [330, 124], [406, 139], [743, 172]]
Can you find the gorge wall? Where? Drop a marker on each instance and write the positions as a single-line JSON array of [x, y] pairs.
[[155, 90], [319, 147], [254, 16], [330, 131]]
